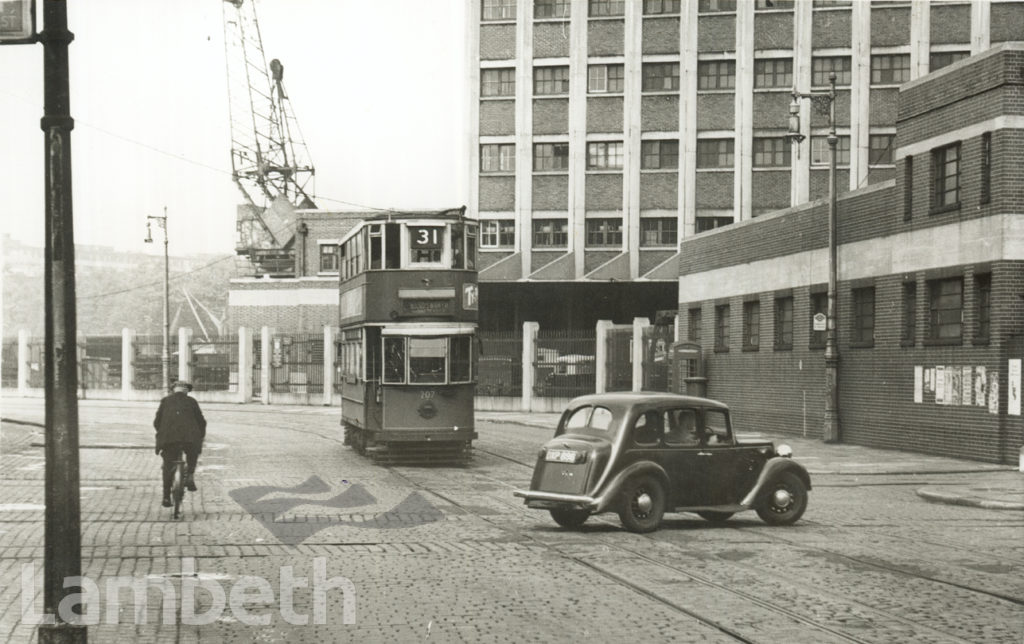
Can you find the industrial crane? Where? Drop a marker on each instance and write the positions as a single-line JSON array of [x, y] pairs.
[[269, 160]]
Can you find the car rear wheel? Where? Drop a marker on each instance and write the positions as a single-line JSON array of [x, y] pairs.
[[784, 500], [715, 516], [643, 504], [569, 517]]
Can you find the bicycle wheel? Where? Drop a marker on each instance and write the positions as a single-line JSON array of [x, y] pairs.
[[178, 487]]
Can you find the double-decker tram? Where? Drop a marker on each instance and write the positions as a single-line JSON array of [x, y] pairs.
[[408, 314]]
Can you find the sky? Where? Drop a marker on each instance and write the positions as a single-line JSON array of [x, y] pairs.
[[377, 87]]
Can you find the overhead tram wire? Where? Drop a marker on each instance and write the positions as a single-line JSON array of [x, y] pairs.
[[149, 284]]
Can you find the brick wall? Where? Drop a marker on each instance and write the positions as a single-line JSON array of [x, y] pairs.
[[771, 109], [950, 24], [497, 193], [497, 42], [717, 111], [882, 107], [714, 189], [551, 39], [773, 30], [497, 117], [1007, 22], [604, 191], [550, 192], [890, 26], [551, 116], [661, 35], [659, 190], [832, 28], [659, 113], [771, 188], [604, 114], [716, 34], [605, 37], [594, 258]]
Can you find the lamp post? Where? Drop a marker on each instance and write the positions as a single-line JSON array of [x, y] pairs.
[[830, 433], [165, 357]]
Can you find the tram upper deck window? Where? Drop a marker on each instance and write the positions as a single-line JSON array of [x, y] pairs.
[[427, 360], [426, 243], [464, 246]]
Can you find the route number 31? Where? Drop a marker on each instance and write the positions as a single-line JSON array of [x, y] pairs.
[[426, 236]]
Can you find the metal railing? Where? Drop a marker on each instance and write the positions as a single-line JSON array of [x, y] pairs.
[[564, 363], [215, 364], [147, 360], [500, 363]]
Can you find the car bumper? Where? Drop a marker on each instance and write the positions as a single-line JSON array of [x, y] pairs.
[[537, 499]]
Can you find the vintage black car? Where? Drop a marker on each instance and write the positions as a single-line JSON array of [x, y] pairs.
[[644, 454]]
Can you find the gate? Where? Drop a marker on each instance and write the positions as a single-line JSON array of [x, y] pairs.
[[215, 364], [257, 368], [297, 363], [619, 366], [564, 364], [147, 359], [500, 364], [657, 343]]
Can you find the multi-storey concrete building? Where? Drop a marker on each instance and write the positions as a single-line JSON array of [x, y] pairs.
[[604, 131], [930, 284]]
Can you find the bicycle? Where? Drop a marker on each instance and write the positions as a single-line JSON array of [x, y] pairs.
[[178, 486]]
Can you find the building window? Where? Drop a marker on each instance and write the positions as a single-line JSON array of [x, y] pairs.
[[551, 8], [771, 152], [605, 79], [773, 72], [784, 323], [983, 303], [498, 157], [715, 6], [890, 69], [986, 167], [820, 150], [761, 5], [705, 224], [499, 9], [498, 82], [722, 327], [946, 310], [658, 7], [659, 155], [549, 81], [908, 328], [908, 188], [659, 231], [946, 177], [550, 156], [329, 258], [550, 233], [715, 153], [660, 77], [819, 306], [604, 155], [695, 317], [716, 74], [822, 66], [751, 326], [863, 316], [497, 233], [604, 232], [828, 4], [939, 59], [880, 149], [599, 8]]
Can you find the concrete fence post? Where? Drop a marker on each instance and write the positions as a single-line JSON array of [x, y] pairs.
[[127, 363], [638, 352], [244, 377], [530, 330], [328, 365], [266, 350], [601, 356], [185, 354], [24, 357]]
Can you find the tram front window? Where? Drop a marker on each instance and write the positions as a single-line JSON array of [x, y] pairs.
[[394, 360], [426, 360], [461, 358]]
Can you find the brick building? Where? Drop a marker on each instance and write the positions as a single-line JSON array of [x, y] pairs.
[[602, 132], [303, 298], [930, 315]]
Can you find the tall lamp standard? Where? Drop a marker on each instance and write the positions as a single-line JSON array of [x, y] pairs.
[[165, 357], [830, 432]]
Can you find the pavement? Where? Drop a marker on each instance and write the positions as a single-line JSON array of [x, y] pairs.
[[991, 486]]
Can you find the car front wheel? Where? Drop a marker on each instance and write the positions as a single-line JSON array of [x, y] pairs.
[[643, 504], [784, 500], [569, 517]]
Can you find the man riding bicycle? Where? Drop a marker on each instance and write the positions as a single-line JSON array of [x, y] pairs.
[[180, 428]]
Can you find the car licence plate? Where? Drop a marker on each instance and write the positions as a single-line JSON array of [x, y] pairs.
[[561, 456]]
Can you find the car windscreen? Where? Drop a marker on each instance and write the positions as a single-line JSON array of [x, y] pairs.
[[589, 419]]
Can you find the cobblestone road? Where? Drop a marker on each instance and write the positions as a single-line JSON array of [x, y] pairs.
[[447, 554]]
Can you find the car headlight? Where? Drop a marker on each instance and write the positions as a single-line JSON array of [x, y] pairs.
[[785, 451]]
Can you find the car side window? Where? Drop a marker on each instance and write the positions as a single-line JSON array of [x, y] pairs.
[[716, 426], [681, 427], [647, 428]]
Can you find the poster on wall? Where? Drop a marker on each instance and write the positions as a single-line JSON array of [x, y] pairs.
[[918, 384], [993, 393], [954, 386], [940, 385], [980, 387], [929, 380], [968, 385], [1013, 392]]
